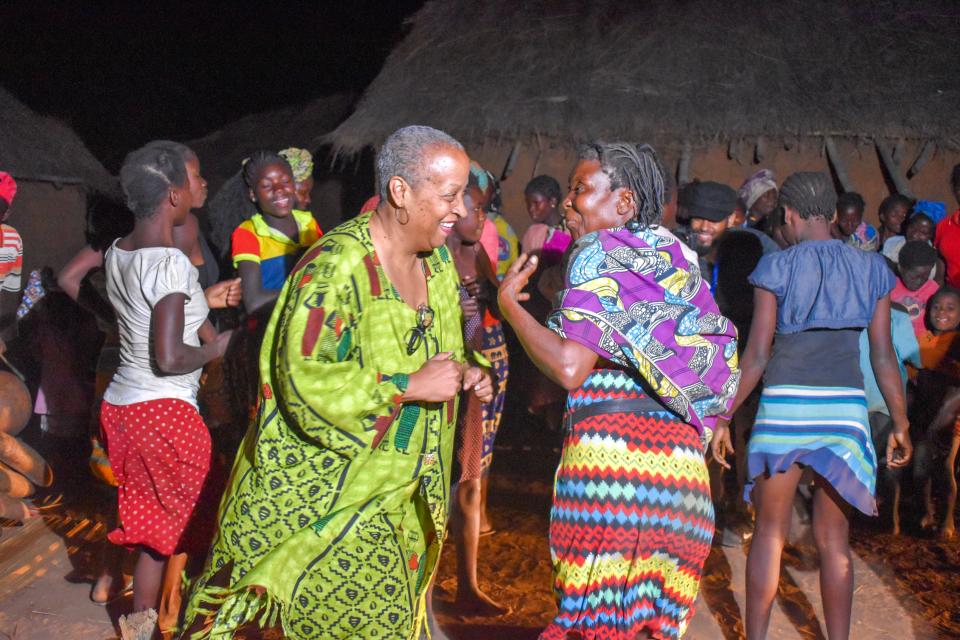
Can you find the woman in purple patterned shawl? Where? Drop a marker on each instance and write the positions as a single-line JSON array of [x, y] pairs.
[[650, 364]]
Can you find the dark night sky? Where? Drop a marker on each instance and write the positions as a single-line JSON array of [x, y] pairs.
[[121, 73]]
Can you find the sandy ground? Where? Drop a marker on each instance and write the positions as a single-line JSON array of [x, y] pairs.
[[907, 587]]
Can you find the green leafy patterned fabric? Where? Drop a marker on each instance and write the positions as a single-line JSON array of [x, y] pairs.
[[330, 525]]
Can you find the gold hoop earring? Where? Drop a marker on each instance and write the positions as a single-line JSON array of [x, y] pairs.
[[397, 215]]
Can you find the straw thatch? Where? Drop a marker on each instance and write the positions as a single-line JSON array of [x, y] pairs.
[[669, 72], [42, 149], [222, 151]]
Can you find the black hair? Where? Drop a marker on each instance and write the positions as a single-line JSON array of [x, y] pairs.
[[917, 217], [917, 253], [955, 177], [892, 201], [945, 290], [107, 220], [147, 175], [849, 199], [257, 162], [545, 186], [810, 194], [635, 167], [186, 153]]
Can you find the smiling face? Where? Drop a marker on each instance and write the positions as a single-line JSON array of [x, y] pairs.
[[470, 227], [196, 183], [848, 219], [706, 232], [944, 313], [274, 191], [591, 205], [435, 202]]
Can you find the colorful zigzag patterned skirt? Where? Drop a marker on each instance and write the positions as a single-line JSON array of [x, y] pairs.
[[632, 519], [825, 428]]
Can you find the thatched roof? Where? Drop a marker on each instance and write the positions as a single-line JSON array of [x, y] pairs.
[[669, 72], [35, 147], [304, 125]]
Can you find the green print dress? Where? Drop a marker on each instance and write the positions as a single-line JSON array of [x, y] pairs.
[[331, 526]]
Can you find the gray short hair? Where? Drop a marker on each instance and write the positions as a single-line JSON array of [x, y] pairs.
[[402, 154]]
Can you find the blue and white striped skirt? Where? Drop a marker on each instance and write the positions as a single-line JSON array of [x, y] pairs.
[[825, 428]]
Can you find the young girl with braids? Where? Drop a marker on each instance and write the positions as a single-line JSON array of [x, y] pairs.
[[649, 363], [813, 411]]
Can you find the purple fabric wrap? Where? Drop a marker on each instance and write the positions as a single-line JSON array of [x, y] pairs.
[[634, 299]]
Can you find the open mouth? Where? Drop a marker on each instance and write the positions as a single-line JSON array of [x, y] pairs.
[[447, 227]]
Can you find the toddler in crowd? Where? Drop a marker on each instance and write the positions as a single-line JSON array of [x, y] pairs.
[[914, 285], [935, 406]]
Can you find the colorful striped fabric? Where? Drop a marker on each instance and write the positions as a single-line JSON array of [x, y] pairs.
[[256, 241], [825, 428], [11, 258], [632, 519]]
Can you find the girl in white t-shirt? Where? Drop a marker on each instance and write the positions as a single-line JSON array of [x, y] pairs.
[[158, 445]]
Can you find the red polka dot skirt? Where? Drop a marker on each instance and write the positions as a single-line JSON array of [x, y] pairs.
[[160, 452]]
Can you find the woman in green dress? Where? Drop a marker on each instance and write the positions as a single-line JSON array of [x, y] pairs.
[[333, 521]]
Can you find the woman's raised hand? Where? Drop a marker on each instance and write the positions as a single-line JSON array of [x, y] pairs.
[[517, 277], [438, 380]]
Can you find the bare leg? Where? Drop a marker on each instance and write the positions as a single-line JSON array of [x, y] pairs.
[[465, 527], [949, 529], [929, 515], [110, 581], [485, 525], [831, 533], [148, 579], [897, 489], [169, 612], [773, 498]]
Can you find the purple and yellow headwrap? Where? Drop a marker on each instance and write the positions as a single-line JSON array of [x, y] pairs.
[[301, 162]]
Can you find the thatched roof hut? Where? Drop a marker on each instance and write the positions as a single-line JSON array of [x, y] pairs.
[[54, 171], [720, 86], [301, 125], [222, 152]]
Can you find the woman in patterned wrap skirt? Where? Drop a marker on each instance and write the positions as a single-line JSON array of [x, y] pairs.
[[649, 364]]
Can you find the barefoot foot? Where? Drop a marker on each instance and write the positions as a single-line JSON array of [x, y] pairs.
[[477, 603]]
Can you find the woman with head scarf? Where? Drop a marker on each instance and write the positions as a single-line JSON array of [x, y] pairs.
[[332, 524], [759, 194], [301, 162], [650, 364]]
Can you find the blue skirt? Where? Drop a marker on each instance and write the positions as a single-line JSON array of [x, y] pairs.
[[825, 428]]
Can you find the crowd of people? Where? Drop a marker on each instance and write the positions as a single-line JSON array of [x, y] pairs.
[[770, 331]]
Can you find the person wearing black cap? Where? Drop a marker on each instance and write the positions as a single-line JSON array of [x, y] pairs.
[[729, 252]]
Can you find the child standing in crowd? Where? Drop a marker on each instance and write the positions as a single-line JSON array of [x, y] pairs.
[[159, 447], [11, 262], [940, 356], [479, 282], [914, 286], [893, 212], [813, 411], [850, 225], [265, 247]]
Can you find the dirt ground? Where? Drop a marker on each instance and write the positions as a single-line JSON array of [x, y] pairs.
[[907, 586]]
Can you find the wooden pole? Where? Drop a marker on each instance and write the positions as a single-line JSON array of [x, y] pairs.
[[833, 155], [899, 180], [926, 154]]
